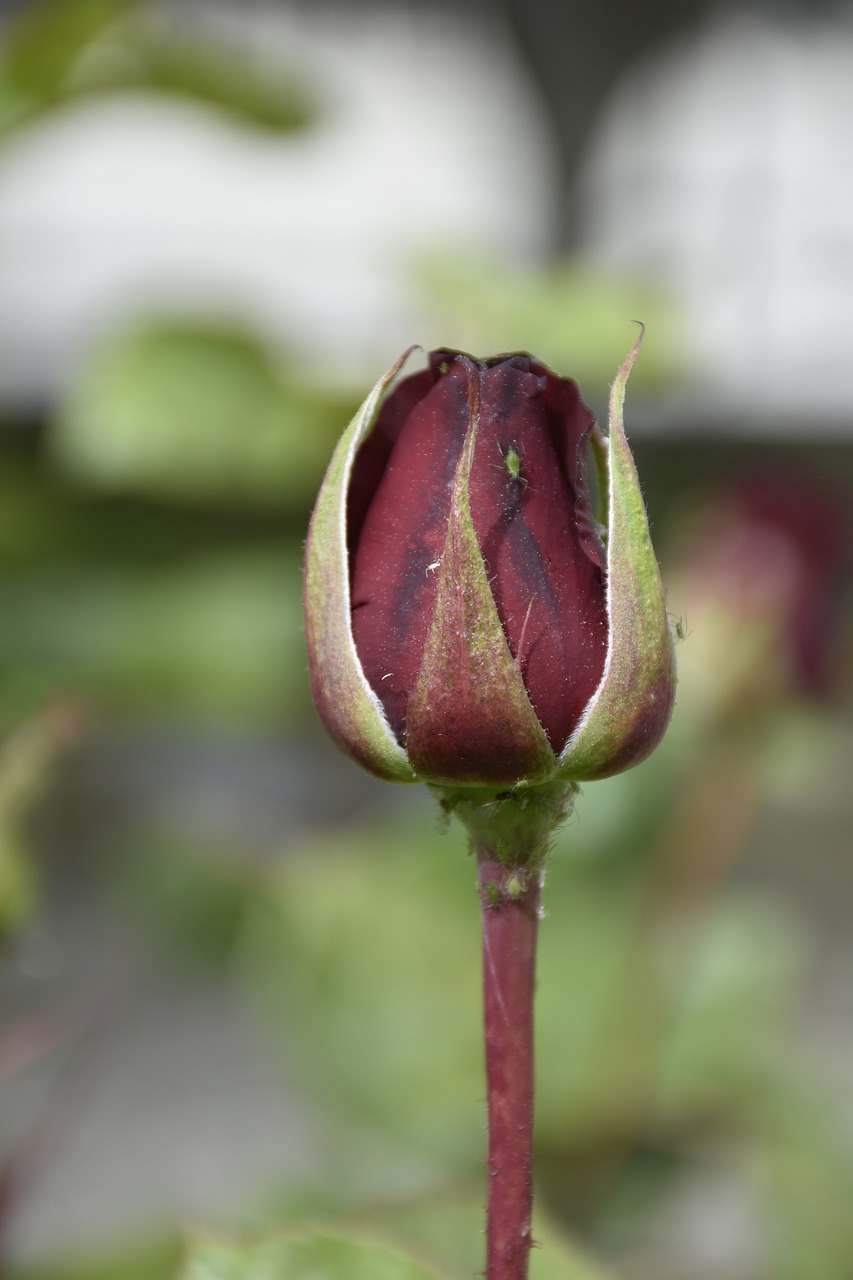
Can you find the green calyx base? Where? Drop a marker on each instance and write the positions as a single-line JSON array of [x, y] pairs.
[[513, 825]]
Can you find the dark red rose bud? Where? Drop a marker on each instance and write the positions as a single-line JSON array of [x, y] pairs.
[[461, 616], [531, 515]]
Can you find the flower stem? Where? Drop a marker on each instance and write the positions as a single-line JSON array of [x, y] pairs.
[[510, 914]]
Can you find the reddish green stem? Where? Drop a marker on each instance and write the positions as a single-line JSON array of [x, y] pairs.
[[510, 914]]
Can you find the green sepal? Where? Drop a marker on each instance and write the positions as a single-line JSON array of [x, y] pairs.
[[469, 718], [345, 701], [627, 715], [517, 825]]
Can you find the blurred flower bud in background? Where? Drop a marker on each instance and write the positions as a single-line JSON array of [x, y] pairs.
[[759, 577]]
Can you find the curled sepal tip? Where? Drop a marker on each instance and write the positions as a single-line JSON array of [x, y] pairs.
[[629, 711]]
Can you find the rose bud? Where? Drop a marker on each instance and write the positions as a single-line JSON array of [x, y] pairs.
[[468, 620], [761, 566]]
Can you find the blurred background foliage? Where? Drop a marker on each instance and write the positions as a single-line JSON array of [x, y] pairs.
[[56, 53], [240, 982]]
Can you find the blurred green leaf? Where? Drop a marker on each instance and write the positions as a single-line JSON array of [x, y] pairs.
[[18, 891], [59, 51], [150, 1260], [318, 1257], [446, 1239], [196, 412], [27, 758], [220, 635], [370, 941], [42, 44], [572, 316], [47, 521], [202, 72], [191, 902], [732, 998], [449, 1236], [804, 1168]]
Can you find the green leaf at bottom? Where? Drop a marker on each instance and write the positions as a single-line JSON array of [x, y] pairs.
[[318, 1257], [449, 1235]]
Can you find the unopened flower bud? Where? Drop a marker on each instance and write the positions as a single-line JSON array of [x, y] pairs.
[[471, 621]]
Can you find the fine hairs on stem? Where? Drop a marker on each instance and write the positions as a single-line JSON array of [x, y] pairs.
[[510, 918]]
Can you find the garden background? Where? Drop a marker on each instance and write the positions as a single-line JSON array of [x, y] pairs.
[[236, 994]]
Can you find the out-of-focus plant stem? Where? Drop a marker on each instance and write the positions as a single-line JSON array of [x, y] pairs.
[[510, 916]]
